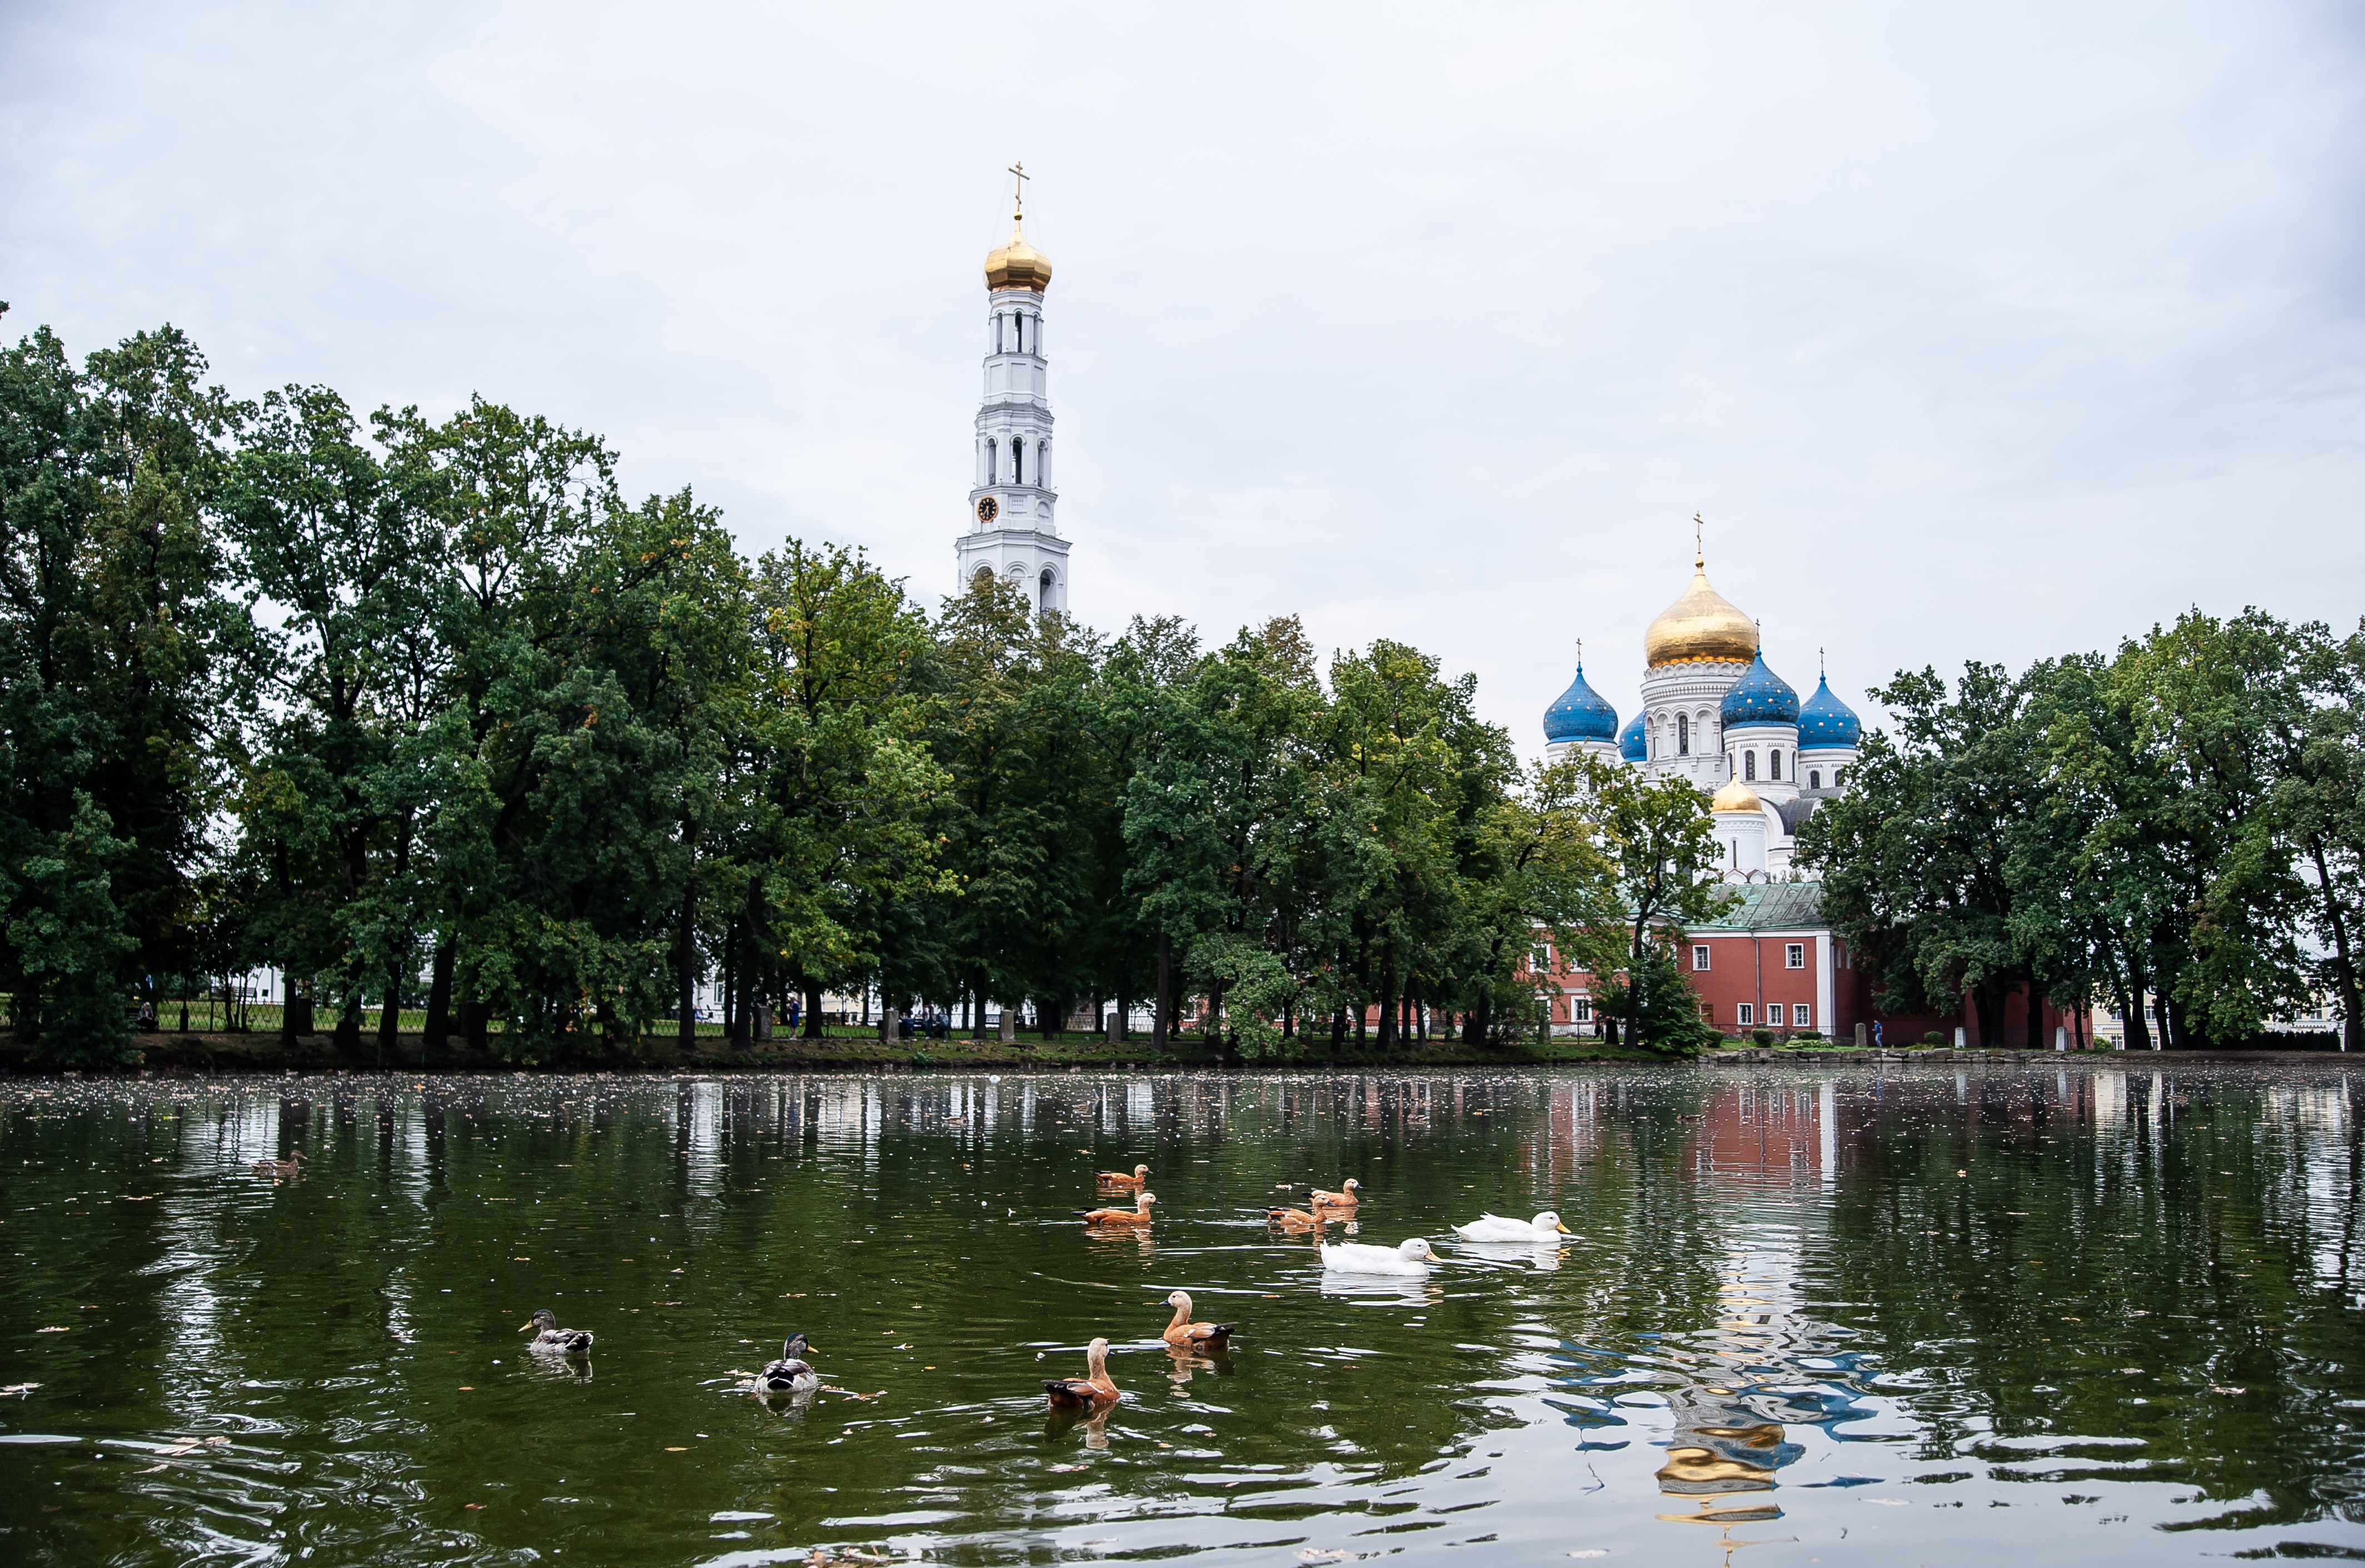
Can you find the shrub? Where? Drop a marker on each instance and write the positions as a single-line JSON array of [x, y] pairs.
[[1933, 1038], [1762, 1036]]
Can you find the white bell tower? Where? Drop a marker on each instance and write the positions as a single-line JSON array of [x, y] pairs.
[[1012, 531]]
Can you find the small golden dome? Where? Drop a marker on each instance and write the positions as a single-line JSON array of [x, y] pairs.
[[1702, 627], [1735, 797], [1017, 266]]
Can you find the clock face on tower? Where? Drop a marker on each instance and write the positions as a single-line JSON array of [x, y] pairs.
[[986, 509]]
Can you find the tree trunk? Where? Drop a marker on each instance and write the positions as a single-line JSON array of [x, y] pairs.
[[1165, 989], [2344, 967], [685, 973], [438, 997], [2138, 1026], [1634, 988], [349, 1022], [1986, 1009], [390, 1012], [813, 1011], [1389, 997], [730, 979]]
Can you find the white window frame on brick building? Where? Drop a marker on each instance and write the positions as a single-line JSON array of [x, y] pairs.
[[1699, 958], [1794, 955]]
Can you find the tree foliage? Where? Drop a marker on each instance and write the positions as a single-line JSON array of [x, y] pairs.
[[2179, 821], [426, 712]]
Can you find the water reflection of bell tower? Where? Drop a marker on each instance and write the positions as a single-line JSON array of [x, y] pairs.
[[1011, 534]]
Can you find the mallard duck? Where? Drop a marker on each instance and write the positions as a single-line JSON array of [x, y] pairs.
[[1344, 1199], [1183, 1331], [790, 1374], [1090, 1391], [1411, 1258], [1297, 1219], [551, 1339], [1542, 1230], [276, 1169], [1138, 1214], [1119, 1179]]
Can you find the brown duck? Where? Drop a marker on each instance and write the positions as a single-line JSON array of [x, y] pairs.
[[1183, 1331], [1138, 1214], [1344, 1199], [1090, 1392]]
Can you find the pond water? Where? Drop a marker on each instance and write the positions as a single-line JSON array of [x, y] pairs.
[[1918, 1315]]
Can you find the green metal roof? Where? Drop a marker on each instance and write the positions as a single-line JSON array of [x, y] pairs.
[[1771, 906]]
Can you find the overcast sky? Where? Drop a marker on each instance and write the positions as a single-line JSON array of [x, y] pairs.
[[1986, 335]]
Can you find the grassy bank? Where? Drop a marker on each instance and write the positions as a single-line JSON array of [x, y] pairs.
[[839, 1049]]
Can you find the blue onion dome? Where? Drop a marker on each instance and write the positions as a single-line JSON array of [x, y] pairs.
[[1760, 697], [1631, 746], [1580, 714], [1826, 723]]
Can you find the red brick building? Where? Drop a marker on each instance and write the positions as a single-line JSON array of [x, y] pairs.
[[1772, 963]]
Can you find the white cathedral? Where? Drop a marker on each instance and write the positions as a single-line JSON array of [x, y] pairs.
[[1013, 532], [1714, 716]]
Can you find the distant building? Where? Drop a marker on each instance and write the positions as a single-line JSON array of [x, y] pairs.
[[1013, 532]]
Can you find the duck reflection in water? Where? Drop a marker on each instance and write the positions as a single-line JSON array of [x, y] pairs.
[[1188, 1359], [1726, 1441], [1094, 1424]]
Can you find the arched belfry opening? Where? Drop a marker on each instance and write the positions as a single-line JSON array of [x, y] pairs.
[[1047, 593]]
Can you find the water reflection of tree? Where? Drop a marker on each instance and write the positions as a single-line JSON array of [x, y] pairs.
[[2122, 1254]]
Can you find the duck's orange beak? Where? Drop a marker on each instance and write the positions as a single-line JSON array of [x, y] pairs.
[[526, 1325], [1565, 1230]]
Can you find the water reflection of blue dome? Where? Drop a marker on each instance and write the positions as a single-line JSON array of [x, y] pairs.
[[1760, 697], [1826, 721], [1631, 743], [1580, 714]]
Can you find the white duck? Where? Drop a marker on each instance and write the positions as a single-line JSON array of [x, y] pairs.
[[1413, 1257], [1543, 1230]]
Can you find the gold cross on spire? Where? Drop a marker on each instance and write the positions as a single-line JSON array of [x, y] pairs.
[[1700, 550], [1580, 653], [1018, 191]]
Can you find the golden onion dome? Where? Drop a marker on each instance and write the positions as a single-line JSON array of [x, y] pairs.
[[1702, 627], [1017, 266], [1735, 797]]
